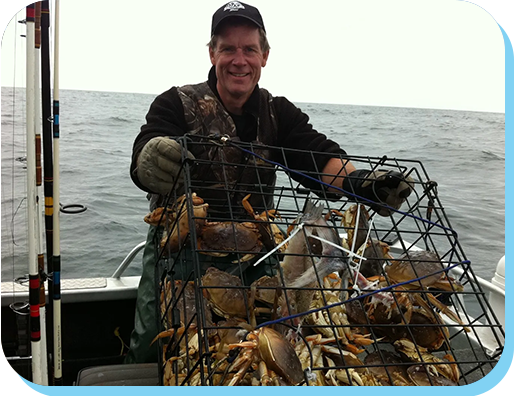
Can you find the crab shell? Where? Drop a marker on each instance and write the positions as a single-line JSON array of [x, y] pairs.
[[226, 302], [228, 237], [177, 222], [278, 354], [181, 228], [424, 324], [419, 354], [387, 367], [421, 377], [266, 288], [413, 265], [424, 264], [431, 336]]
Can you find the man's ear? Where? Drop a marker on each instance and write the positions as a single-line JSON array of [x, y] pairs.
[[265, 58], [212, 56]]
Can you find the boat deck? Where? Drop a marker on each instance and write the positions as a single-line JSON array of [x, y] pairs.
[[97, 320]]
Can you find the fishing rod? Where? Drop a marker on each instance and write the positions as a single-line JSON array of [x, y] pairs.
[[34, 279], [39, 214], [56, 259], [48, 168]]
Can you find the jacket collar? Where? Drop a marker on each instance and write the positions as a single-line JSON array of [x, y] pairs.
[[251, 106]]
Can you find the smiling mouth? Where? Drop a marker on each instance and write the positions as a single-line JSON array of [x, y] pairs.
[[239, 74]]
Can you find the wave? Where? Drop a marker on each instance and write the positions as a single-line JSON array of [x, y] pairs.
[[119, 119], [96, 146], [491, 155]]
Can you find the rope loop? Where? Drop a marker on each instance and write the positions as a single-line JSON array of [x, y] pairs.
[[72, 208]]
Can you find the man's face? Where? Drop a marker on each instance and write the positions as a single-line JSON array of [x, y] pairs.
[[238, 60]]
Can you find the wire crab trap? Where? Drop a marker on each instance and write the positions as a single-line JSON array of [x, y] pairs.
[[267, 277]]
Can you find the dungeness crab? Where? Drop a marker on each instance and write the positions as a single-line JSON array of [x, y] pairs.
[[176, 220]]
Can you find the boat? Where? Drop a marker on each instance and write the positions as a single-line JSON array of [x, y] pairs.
[[97, 314], [90, 347]]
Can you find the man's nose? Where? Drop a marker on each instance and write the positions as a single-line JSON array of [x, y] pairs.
[[239, 57]]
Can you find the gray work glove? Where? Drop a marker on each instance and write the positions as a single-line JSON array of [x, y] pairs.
[[159, 164], [382, 187]]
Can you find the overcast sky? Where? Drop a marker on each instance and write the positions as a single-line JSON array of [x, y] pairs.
[[409, 53]]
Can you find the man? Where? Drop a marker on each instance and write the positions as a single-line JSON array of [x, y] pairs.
[[231, 103]]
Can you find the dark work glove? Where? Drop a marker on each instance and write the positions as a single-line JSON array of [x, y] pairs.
[[159, 164], [382, 187]]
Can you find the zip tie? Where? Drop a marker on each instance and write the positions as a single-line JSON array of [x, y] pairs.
[[299, 227], [310, 375], [350, 253], [356, 288], [366, 241]]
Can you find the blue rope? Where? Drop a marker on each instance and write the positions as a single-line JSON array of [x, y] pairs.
[[455, 234], [387, 288]]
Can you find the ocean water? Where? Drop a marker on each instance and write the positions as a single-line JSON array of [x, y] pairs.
[[462, 151]]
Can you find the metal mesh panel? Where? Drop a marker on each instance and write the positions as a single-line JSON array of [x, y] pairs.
[[232, 310]]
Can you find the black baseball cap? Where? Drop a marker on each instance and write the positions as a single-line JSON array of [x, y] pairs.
[[236, 9]]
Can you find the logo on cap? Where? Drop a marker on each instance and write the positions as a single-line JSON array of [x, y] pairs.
[[234, 6]]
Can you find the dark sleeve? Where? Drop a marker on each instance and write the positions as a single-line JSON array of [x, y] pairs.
[[295, 132], [164, 118]]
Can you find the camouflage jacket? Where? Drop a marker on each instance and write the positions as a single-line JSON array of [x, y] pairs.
[[197, 109]]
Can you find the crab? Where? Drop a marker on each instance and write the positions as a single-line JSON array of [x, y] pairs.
[[177, 366], [309, 351], [349, 376], [342, 367], [427, 376], [176, 220], [409, 316], [184, 293], [416, 353], [219, 239], [425, 269], [425, 265], [333, 322], [336, 315], [228, 333], [271, 234], [267, 350], [317, 378], [268, 353], [225, 293], [388, 368], [267, 289], [356, 229], [183, 305], [347, 367], [159, 217]]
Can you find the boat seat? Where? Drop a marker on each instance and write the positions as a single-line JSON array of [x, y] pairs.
[[144, 374]]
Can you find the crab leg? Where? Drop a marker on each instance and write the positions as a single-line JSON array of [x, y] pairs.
[[446, 311]]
